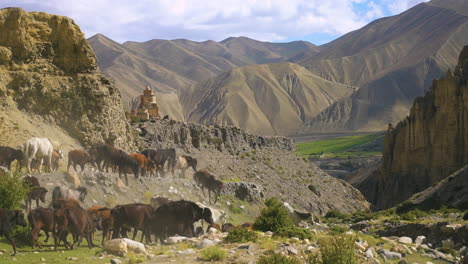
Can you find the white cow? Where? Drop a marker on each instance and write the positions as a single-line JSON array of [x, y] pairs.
[[40, 149]]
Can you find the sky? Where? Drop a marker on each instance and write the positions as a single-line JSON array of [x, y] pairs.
[[316, 21]]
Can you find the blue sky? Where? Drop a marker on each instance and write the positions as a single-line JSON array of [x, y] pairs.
[[316, 21]]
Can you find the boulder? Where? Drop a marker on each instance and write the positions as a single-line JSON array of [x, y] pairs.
[[116, 247], [115, 261], [121, 185], [205, 243], [405, 240], [389, 255], [73, 178], [135, 246], [245, 191]]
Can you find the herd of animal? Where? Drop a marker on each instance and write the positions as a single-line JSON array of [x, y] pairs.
[[65, 215]]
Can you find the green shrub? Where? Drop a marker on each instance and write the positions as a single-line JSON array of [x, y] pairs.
[[465, 216], [234, 209], [294, 231], [335, 214], [405, 207], [338, 249], [13, 191], [273, 217], [338, 229], [214, 253], [239, 235], [413, 215], [22, 235], [361, 216], [277, 258]]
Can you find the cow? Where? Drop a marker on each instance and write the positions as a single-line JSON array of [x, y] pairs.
[[204, 179], [133, 215], [8, 155], [9, 219], [159, 158], [184, 162], [114, 157], [142, 162], [63, 192], [177, 218], [31, 181], [157, 201], [40, 149], [56, 157], [36, 194], [74, 220], [41, 219], [78, 157], [106, 220]]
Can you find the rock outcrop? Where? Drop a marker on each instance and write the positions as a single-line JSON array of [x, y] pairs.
[[187, 136], [47, 68], [426, 147]]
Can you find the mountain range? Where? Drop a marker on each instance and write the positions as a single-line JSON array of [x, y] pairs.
[[358, 82]]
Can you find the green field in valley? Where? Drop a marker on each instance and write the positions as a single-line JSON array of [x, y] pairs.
[[343, 147]]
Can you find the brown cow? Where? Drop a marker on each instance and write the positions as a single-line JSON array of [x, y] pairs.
[[36, 194], [215, 226], [8, 155], [107, 222], [41, 219], [132, 215], [113, 157], [204, 179], [8, 219], [142, 162], [74, 220], [247, 226], [78, 157]]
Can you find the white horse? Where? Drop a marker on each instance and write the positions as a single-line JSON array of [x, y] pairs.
[[40, 149]]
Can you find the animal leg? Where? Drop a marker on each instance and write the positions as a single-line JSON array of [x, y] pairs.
[[10, 239], [135, 231]]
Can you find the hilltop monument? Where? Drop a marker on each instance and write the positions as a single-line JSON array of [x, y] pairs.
[[148, 108]]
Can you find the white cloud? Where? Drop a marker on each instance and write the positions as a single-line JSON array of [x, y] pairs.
[[270, 20]]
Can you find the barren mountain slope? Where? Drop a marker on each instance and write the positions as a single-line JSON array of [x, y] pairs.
[[266, 99], [393, 60]]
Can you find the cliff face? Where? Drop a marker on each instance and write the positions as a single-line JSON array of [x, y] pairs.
[[190, 136], [428, 145], [47, 68]]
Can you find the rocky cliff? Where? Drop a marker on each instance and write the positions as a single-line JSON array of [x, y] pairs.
[[427, 146], [189, 136], [268, 163], [47, 68]]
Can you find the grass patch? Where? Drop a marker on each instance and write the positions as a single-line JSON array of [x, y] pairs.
[[341, 147], [277, 258], [214, 253]]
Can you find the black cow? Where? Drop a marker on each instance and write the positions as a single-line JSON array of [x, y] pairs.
[[36, 194], [8, 219], [160, 156], [177, 218], [8, 155], [131, 215]]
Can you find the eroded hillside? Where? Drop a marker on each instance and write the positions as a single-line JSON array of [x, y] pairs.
[[47, 68]]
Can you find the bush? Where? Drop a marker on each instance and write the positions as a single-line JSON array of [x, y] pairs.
[[335, 214], [273, 217], [338, 229], [22, 235], [338, 249], [239, 235], [413, 215], [277, 258], [13, 191], [214, 253], [294, 231]]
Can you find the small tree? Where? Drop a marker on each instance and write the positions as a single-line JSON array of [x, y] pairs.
[[13, 190]]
